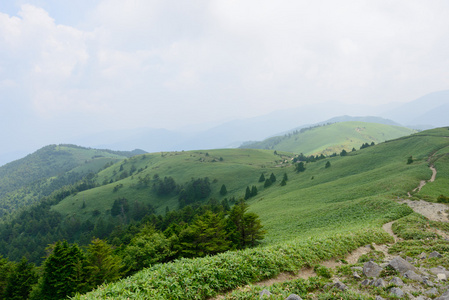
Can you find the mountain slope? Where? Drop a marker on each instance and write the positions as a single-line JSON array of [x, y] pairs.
[[332, 138], [24, 181], [342, 207]]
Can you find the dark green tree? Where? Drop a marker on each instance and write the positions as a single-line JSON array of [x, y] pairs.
[[253, 191], [410, 160], [343, 152], [223, 190], [6, 268], [261, 178], [328, 164], [300, 167], [64, 272], [102, 264], [283, 182], [285, 177], [272, 178], [20, 280], [267, 183], [247, 193]]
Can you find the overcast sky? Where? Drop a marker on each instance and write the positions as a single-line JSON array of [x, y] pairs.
[[67, 67]]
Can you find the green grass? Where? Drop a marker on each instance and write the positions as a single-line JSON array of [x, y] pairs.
[[334, 138]]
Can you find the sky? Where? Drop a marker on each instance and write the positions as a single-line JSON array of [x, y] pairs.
[[68, 68]]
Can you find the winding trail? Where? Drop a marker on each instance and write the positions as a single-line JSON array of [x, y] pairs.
[[432, 211]]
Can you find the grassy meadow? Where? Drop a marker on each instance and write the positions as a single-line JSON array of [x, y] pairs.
[[320, 213]]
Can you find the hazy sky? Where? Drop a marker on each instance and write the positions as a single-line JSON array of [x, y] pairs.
[[67, 67]]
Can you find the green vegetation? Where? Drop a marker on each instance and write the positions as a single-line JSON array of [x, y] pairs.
[[332, 138], [166, 212]]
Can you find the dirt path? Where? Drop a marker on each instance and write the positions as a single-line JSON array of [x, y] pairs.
[[432, 211]]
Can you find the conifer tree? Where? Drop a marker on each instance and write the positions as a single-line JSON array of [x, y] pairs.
[[223, 190], [247, 193], [300, 167], [328, 164], [267, 183], [261, 178], [285, 177], [253, 191], [20, 281], [272, 178]]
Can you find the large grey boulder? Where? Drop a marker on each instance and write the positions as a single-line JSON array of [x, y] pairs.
[[445, 296], [371, 269], [396, 281], [401, 265], [293, 297], [379, 283], [435, 254], [397, 292], [413, 276]]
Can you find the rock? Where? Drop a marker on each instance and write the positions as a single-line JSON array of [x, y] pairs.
[[409, 259], [264, 293], [432, 292], [445, 296], [379, 283], [428, 282], [396, 281], [293, 297], [413, 276], [423, 255], [379, 298], [397, 292], [435, 254], [366, 282], [371, 269], [421, 298], [441, 276], [357, 268], [401, 265], [356, 275], [340, 285], [439, 270]]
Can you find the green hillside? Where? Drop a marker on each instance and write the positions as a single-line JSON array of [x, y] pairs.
[[236, 168], [25, 181], [320, 213], [333, 138]]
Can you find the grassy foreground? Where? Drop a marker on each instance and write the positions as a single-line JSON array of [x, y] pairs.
[[207, 277]]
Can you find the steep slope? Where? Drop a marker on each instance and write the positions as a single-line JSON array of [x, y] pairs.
[[320, 213], [24, 181], [328, 139]]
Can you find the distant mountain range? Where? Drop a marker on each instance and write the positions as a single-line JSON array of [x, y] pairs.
[[426, 112]]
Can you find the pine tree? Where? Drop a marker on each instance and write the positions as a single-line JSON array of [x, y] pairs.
[[300, 167], [272, 178], [20, 280], [283, 182], [267, 183], [328, 164], [261, 178], [103, 265], [247, 193], [253, 191], [285, 177], [223, 190], [64, 272]]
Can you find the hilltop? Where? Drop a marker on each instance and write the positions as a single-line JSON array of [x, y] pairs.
[[331, 138], [26, 180]]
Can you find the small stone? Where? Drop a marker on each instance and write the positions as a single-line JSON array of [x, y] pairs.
[[356, 275], [428, 282], [413, 276], [357, 268], [435, 254], [340, 285], [379, 283], [366, 282], [379, 298], [423, 255], [293, 297], [432, 291], [264, 293], [371, 269], [441, 277], [396, 281], [397, 292]]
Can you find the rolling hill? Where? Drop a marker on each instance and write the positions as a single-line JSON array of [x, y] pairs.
[[25, 181], [331, 138], [320, 213]]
